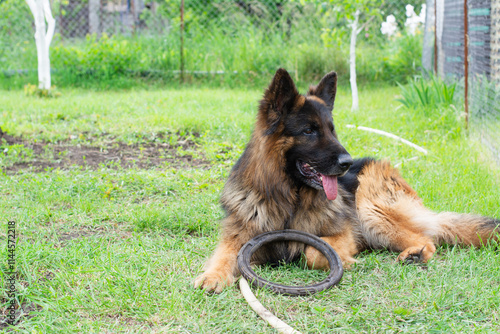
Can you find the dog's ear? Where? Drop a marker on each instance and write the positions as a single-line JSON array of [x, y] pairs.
[[278, 99], [281, 93], [326, 89]]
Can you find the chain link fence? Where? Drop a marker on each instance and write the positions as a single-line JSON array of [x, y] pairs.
[[464, 42], [167, 38]]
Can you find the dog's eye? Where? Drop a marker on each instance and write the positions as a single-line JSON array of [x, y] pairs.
[[308, 131], [332, 127]]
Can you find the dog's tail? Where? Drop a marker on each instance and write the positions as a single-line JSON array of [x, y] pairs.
[[384, 196], [466, 229]]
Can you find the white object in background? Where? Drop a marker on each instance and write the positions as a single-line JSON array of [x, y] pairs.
[[389, 27], [413, 20], [352, 62], [43, 37], [390, 135]]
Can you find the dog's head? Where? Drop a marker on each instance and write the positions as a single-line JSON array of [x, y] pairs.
[[314, 156]]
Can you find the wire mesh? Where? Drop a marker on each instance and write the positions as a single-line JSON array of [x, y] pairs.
[[484, 93], [482, 18], [453, 39], [217, 34]]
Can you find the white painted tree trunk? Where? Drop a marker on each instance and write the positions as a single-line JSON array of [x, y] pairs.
[[352, 62], [43, 36]]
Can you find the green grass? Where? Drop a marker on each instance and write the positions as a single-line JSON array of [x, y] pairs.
[[131, 115], [117, 250]]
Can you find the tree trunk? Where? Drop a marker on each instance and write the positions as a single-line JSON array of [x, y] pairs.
[[43, 36], [352, 62]]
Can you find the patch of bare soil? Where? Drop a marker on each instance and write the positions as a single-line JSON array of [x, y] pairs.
[[63, 238], [114, 154]]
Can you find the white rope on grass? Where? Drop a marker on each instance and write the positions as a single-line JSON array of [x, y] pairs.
[[390, 135], [264, 313]]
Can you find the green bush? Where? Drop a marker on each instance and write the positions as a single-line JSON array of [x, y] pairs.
[[403, 58], [102, 58], [389, 60]]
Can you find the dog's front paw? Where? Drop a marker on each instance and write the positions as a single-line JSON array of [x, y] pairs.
[[213, 281], [316, 260]]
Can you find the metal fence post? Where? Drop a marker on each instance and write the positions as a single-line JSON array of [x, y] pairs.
[[466, 64], [182, 43]]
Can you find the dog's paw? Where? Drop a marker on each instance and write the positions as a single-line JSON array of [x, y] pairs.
[[410, 258], [316, 260], [348, 263], [213, 282], [417, 254]]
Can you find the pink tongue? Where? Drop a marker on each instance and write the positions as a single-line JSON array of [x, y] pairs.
[[330, 186]]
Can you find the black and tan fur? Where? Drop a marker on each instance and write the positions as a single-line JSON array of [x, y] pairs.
[[276, 184]]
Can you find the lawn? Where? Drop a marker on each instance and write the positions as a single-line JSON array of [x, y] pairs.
[[115, 199]]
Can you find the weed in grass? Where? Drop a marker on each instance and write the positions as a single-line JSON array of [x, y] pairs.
[[13, 154], [33, 90]]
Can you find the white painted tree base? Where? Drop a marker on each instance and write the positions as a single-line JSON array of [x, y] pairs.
[[43, 37]]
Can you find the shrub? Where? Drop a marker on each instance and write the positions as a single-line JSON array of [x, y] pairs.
[[102, 58]]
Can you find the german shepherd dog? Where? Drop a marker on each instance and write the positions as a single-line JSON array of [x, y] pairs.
[[295, 174]]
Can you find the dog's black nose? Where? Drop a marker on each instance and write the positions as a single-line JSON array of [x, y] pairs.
[[345, 161]]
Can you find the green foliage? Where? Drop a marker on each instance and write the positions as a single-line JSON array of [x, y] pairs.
[[313, 62], [120, 61], [367, 8], [427, 93], [102, 58], [15, 20], [402, 58]]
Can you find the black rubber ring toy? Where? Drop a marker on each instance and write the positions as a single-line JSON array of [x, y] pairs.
[[246, 252]]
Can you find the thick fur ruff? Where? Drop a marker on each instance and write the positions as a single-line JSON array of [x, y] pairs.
[[294, 174]]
